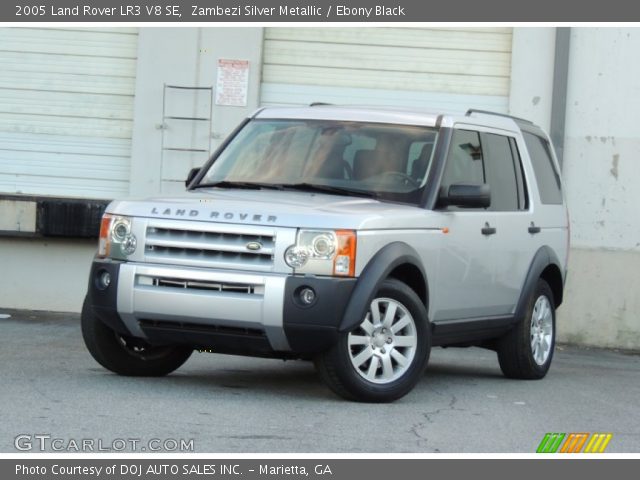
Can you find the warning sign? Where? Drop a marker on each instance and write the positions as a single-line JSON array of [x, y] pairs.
[[232, 83]]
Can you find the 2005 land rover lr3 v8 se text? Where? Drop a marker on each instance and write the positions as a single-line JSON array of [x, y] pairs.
[[354, 237]]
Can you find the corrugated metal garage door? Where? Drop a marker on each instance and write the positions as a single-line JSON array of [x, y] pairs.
[[66, 110], [448, 69]]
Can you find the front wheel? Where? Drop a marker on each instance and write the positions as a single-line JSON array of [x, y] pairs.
[[127, 355], [527, 350], [385, 356]]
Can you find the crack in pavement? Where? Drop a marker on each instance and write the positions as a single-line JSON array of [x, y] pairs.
[[422, 440]]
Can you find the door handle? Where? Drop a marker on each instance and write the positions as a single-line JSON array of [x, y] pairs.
[[488, 229], [533, 229]]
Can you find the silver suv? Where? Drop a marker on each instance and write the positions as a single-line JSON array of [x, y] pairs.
[[358, 238]]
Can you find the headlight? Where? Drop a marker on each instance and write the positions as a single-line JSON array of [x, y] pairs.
[[323, 252], [116, 239]]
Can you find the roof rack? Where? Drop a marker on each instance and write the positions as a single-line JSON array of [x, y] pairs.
[[319, 104], [486, 112]]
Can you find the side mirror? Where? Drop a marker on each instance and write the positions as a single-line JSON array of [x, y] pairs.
[[466, 196], [192, 174]]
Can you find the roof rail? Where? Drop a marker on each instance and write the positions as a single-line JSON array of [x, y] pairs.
[[319, 104], [486, 112]]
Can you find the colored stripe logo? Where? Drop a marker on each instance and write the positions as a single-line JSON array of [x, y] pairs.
[[574, 443]]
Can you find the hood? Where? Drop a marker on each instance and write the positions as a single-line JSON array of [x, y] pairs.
[[277, 208]]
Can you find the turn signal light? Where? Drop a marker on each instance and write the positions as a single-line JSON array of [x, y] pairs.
[[344, 263]]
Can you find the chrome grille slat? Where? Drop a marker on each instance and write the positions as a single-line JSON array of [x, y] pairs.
[[212, 286], [209, 247], [237, 246]]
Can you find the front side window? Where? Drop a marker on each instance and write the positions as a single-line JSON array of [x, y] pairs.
[[465, 160], [485, 158], [384, 161]]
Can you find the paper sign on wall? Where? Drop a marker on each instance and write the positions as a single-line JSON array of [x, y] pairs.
[[232, 83]]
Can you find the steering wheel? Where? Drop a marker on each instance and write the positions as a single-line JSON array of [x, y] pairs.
[[402, 177]]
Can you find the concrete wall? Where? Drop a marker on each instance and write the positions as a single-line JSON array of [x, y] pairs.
[[602, 173], [602, 303], [532, 74], [47, 274]]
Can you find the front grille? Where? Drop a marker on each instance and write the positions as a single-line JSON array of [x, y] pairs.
[[204, 285], [232, 249]]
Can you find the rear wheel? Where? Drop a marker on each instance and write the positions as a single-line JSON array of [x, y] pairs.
[[385, 356], [126, 355], [527, 350]]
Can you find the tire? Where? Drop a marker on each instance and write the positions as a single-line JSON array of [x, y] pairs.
[[526, 351], [127, 355], [408, 341]]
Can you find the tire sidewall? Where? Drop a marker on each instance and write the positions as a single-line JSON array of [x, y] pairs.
[[542, 289], [368, 391], [105, 347]]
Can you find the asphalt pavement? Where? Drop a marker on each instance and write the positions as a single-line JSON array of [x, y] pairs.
[[50, 386]]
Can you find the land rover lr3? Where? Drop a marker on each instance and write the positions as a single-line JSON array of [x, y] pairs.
[[358, 238]]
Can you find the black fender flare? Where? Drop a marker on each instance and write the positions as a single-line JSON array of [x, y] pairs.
[[374, 273], [544, 257]]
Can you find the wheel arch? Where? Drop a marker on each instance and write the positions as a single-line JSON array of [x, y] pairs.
[[414, 277], [552, 275], [545, 265], [396, 260]]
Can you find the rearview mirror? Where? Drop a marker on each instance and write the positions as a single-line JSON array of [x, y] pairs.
[[193, 173], [466, 196]]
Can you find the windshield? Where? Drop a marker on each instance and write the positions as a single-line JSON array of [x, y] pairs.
[[381, 160]]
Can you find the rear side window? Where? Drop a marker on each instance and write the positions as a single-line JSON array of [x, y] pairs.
[[501, 172], [546, 175]]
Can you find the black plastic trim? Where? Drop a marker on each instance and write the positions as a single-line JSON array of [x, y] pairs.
[[544, 257], [305, 339], [376, 271], [488, 230], [218, 340], [104, 301], [469, 331], [314, 328], [432, 187]]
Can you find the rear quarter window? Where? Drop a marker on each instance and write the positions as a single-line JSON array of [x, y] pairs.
[[547, 177]]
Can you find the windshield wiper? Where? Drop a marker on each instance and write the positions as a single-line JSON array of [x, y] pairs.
[[305, 187], [245, 185], [314, 187]]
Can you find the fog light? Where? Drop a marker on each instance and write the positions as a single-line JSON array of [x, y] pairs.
[[104, 279], [307, 295]]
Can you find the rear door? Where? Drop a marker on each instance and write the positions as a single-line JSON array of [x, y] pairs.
[[549, 212], [512, 246]]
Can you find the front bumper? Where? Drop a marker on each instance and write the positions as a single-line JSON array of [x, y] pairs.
[[223, 310]]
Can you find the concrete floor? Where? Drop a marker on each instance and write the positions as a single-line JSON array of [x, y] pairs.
[[51, 385]]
